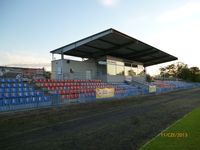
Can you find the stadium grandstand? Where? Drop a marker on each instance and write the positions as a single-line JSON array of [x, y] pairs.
[[113, 66]]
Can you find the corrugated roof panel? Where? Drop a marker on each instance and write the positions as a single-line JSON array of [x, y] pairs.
[[114, 43]]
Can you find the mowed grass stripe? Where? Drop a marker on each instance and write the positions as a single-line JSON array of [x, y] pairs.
[[184, 135]]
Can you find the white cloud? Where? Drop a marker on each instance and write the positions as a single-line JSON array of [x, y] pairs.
[[187, 10], [181, 41], [24, 60], [109, 3]]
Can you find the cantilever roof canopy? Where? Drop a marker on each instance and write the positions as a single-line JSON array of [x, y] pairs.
[[114, 43]]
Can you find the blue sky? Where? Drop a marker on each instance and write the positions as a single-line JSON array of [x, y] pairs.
[[29, 29]]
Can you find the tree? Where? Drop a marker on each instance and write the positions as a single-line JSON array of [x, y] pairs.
[[131, 73], [181, 71], [47, 74], [148, 78]]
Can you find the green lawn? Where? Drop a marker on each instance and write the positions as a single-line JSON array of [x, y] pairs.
[[183, 135]]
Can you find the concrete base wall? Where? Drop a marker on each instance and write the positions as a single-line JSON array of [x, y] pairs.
[[70, 69], [115, 78]]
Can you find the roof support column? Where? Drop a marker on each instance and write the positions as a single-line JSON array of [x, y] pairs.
[[62, 56], [62, 67], [52, 56]]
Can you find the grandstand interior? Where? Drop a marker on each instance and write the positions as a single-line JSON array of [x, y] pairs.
[[113, 67]]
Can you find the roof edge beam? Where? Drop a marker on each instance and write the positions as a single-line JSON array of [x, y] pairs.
[[158, 62], [80, 42], [157, 58]]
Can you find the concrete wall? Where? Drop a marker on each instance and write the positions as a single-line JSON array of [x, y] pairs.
[[70, 69], [115, 78], [140, 79]]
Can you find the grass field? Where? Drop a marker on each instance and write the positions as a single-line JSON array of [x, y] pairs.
[[107, 125], [183, 135]]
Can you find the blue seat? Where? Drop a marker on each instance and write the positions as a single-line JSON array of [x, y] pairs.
[[31, 89], [32, 93], [35, 99], [20, 84], [1, 95], [14, 90], [9, 85], [6, 102], [7, 95], [38, 93], [1, 102], [21, 100], [14, 80], [20, 89], [14, 101], [25, 89], [2, 80], [14, 94], [40, 99], [9, 80], [3, 85], [27, 100], [8, 90], [26, 94], [2, 90], [15, 85], [20, 80], [20, 94]]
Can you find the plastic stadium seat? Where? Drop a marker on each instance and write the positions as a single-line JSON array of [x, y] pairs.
[[14, 101], [9, 80], [15, 80], [7, 90], [2, 95], [32, 93], [3, 85], [1, 103], [39, 99], [30, 89], [20, 94], [35, 99], [26, 94], [2, 80], [20, 85], [46, 99], [25, 89], [45, 85], [6, 102], [14, 95], [21, 101], [54, 84], [37, 93], [14, 90], [72, 96], [20, 89], [7, 95], [2, 90], [15, 84]]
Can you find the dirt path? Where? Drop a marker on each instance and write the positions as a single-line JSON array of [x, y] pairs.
[[109, 125]]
